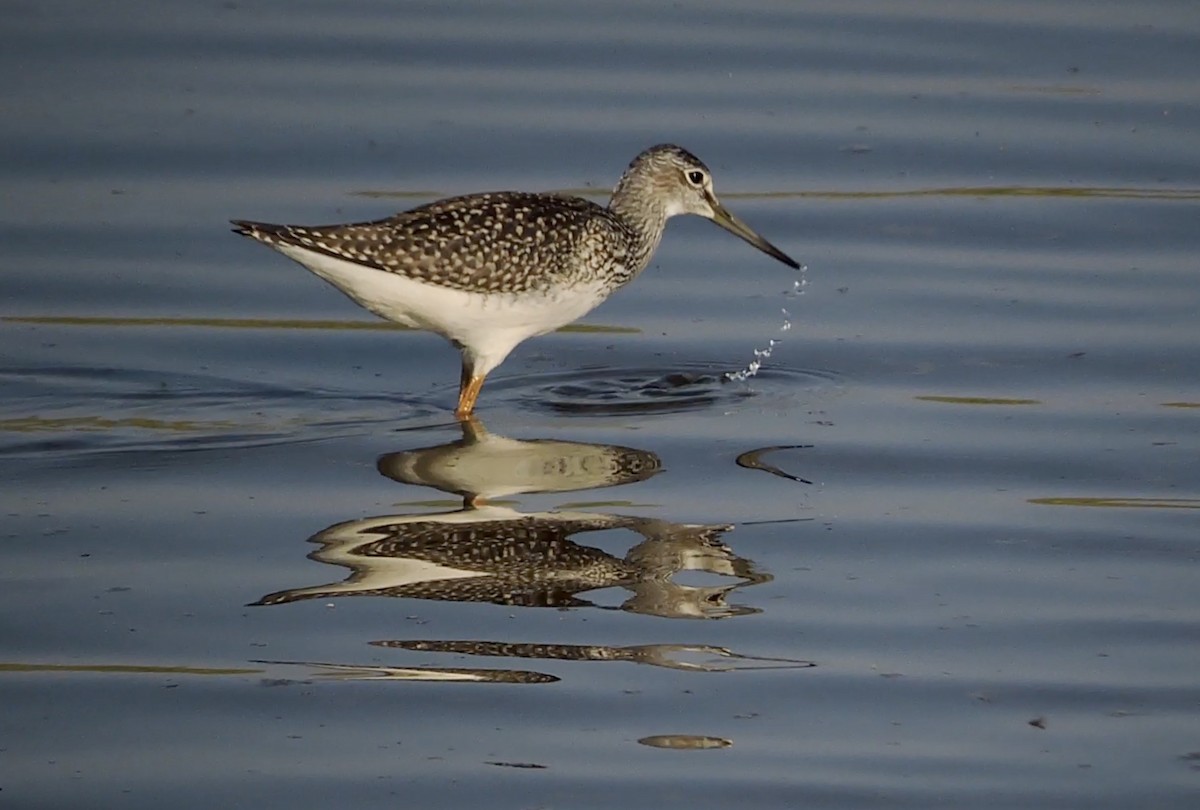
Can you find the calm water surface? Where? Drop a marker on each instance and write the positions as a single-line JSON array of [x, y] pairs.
[[940, 551]]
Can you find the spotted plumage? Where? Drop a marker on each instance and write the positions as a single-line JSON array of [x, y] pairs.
[[499, 242], [487, 271]]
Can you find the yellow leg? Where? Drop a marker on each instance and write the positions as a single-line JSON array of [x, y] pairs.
[[468, 391]]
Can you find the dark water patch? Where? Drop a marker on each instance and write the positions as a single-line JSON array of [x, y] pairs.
[[80, 409], [601, 391]]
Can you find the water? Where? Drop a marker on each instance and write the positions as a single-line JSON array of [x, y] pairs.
[[250, 558]]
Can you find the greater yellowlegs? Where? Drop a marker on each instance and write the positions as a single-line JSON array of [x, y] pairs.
[[487, 271]]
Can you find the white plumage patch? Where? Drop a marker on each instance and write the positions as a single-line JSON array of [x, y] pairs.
[[487, 326]]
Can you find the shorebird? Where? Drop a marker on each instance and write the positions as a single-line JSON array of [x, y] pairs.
[[487, 271]]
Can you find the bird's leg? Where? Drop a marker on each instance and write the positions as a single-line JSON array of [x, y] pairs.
[[469, 385], [467, 395]]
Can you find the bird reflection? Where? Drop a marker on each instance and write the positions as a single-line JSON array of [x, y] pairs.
[[483, 465], [499, 555], [492, 553], [707, 658], [323, 670], [686, 657]]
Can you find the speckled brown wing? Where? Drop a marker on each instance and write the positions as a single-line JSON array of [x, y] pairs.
[[494, 242]]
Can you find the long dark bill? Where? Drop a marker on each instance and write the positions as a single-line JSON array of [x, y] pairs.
[[740, 229]]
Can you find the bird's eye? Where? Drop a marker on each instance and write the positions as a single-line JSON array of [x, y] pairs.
[[696, 178]]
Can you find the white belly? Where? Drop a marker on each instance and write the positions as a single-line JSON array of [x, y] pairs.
[[485, 325]]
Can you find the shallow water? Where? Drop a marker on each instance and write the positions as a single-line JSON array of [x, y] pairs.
[[940, 551]]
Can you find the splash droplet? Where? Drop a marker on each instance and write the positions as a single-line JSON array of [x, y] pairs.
[[761, 355]]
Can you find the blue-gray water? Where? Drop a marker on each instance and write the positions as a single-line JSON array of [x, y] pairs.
[[987, 596]]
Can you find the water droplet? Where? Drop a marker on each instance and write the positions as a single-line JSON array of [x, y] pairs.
[[760, 355]]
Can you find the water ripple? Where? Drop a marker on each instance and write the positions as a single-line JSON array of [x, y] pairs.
[[646, 389]]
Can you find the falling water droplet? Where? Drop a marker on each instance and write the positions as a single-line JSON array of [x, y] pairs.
[[760, 355]]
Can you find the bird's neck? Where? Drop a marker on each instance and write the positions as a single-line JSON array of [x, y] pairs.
[[635, 204]]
